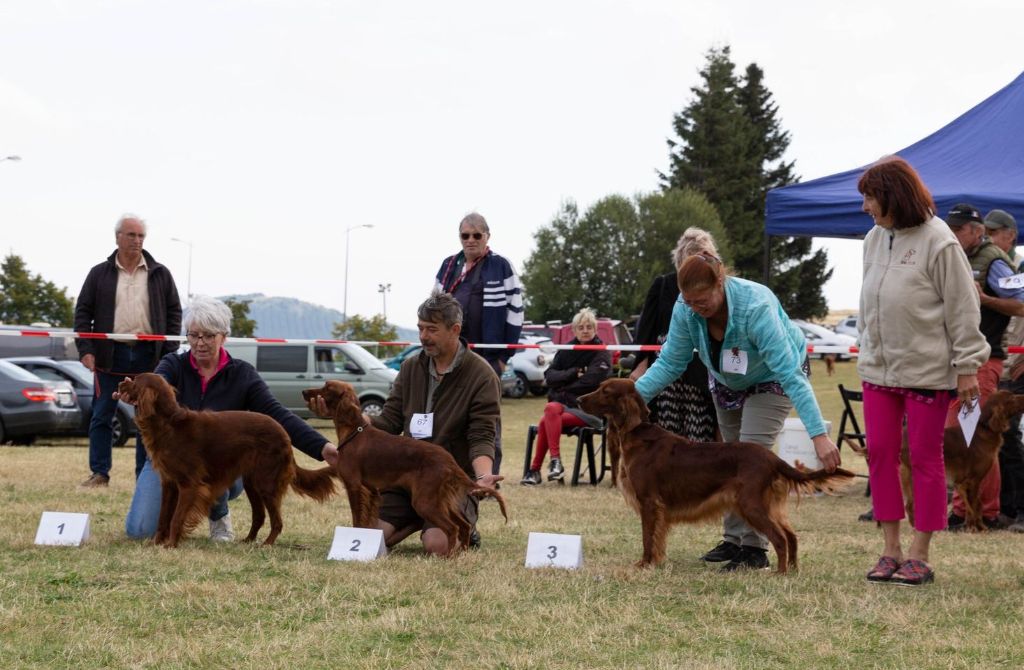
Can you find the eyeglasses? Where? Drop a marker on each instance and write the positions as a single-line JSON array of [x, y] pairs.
[[475, 236], [201, 337]]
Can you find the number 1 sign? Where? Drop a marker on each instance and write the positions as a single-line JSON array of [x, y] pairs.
[[550, 550], [63, 528]]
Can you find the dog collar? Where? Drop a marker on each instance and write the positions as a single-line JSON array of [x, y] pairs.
[[351, 436]]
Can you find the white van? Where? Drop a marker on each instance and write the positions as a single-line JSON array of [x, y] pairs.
[[289, 369]]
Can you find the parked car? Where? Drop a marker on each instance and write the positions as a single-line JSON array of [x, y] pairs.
[[81, 379], [821, 336], [527, 368], [31, 406], [288, 369], [611, 331], [395, 362], [848, 326]]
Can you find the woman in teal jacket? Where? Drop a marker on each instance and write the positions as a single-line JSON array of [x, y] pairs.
[[757, 360]]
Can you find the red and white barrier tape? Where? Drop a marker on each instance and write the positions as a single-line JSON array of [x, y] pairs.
[[128, 337]]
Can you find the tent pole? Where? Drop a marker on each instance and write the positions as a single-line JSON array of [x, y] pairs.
[[767, 258]]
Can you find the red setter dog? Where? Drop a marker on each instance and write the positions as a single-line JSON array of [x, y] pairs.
[[967, 466], [668, 479], [199, 454], [371, 460]]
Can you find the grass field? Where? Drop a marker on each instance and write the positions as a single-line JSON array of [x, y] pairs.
[[114, 603]]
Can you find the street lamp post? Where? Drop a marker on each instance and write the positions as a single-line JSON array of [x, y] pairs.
[[345, 303], [383, 290], [189, 284]]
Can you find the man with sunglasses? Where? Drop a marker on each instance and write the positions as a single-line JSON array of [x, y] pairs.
[[127, 293], [487, 287]]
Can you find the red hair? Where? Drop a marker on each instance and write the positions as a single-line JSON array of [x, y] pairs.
[[699, 272], [899, 191]]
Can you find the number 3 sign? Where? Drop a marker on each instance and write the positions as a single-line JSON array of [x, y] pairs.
[[550, 550], [63, 528]]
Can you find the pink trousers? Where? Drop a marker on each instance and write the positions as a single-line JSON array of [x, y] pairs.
[[884, 411]]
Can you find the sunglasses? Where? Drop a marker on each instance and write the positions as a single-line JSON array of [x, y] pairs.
[[475, 236]]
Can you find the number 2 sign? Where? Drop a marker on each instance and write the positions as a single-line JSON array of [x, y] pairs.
[[357, 544], [63, 528]]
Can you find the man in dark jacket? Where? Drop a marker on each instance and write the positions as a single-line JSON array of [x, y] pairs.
[[455, 399], [127, 293]]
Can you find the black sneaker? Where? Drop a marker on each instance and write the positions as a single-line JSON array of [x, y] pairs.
[[749, 558], [532, 478], [555, 471], [955, 523], [867, 516], [725, 551], [474, 539]]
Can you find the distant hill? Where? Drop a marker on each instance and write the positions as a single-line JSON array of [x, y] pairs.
[[296, 319]]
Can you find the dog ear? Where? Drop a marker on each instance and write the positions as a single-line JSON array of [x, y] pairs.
[[633, 411], [145, 402], [997, 410], [348, 410]]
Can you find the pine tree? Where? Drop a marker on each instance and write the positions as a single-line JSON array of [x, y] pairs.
[[730, 147]]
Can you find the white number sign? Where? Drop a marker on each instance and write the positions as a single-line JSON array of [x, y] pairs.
[[63, 528], [357, 544], [551, 550]]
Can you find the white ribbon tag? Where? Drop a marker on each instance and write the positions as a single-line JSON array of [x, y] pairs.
[[968, 418], [734, 360], [421, 426], [1015, 281]]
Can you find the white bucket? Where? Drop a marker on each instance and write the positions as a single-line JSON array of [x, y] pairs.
[[795, 444]]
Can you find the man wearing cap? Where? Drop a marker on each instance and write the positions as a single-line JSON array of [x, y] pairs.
[[1002, 229], [990, 263]]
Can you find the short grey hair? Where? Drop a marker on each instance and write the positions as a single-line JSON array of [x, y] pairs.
[[440, 307], [477, 221], [128, 216], [209, 314], [694, 241], [585, 315]]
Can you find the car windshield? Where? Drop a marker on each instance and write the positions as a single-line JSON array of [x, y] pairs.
[[14, 372], [76, 370], [362, 357]]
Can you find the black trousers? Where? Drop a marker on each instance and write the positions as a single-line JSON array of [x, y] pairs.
[[1011, 461]]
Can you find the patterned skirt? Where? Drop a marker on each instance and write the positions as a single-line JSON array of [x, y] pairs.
[[686, 409]]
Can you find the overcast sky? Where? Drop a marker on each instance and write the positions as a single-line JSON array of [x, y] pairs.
[[260, 131]]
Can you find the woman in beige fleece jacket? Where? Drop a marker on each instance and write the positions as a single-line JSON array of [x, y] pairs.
[[920, 347]]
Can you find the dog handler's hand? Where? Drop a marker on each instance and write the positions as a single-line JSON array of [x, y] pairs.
[[127, 398], [827, 452], [319, 407], [330, 454], [967, 389], [488, 481]]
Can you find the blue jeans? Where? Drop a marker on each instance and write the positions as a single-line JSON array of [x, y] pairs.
[[128, 360], [144, 512]]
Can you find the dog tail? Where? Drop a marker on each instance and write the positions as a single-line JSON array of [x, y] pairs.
[[814, 481], [316, 484], [481, 492]]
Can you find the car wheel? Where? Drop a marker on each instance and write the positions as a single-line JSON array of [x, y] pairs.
[[119, 429], [518, 390], [372, 406], [23, 441], [2, 437], [539, 390]]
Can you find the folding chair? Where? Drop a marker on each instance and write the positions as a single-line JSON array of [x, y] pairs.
[[584, 443], [855, 434]]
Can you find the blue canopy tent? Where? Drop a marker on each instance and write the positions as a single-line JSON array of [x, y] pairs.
[[978, 158]]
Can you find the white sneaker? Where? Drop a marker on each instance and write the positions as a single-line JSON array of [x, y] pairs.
[[220, 530]]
